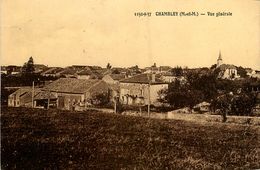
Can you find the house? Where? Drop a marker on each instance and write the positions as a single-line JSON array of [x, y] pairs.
[[119, 70], [84, 74], [87, 74], [164, 69], [72, 93], [102, 72], [3, 70], [131, 71], [170, 76], [256, 108], [69, 72], [157, 70], [38, 68], [52, 71], [44, 98], [22, 97], [256, 74], [113, 78], [113, 81], [13, 70], [202, 107], [226, 71], [140, 89]]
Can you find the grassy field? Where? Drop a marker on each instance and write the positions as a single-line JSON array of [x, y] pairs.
[[37, 139]]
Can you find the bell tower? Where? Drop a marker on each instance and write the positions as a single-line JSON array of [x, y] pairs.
[[219, 61]]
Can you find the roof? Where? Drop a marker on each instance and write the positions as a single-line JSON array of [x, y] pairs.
[[85, 72], [52, 70], [117, 76], [168, 73], [40, 66], [72, 85], [92, 73], [44, 95], [21, 91], [103, 72], [142, 78], [226, 66], [114, 87], [69, 71], [25, 90], [164, 68]]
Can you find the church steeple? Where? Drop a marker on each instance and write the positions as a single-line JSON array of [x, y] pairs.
[[219, 61]]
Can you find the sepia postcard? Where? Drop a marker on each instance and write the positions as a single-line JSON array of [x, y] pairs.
[[130, 84]]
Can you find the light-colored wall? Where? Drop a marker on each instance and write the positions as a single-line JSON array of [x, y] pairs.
[[14, 99], [86, 77], [229, 72], [109, 80], [140, 92], [69, 100], [168, 79], [154, 89]]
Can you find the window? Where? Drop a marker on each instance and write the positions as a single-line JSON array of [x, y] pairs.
[[142, 92]]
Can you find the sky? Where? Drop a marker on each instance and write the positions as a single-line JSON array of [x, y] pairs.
[[95, 32]]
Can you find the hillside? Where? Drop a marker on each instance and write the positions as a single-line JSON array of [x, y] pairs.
[[33, 139]]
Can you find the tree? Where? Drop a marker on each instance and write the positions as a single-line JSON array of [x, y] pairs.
[[238, 104], [223, 104], [177, 71], [28, 67], [180, 95], [243, 104], [116, 71], [205, 83], [213, 66], [242, 72], [109, 66]]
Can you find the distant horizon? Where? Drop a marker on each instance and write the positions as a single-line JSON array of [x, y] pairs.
[[64, 32], [115, 66]]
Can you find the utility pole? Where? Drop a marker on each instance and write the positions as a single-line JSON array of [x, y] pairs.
[[115, 98], [33, 94], [149, 97], [48, 105]]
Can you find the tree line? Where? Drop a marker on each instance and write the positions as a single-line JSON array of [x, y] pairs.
[[226, 96]]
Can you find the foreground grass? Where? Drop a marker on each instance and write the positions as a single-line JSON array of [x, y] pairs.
[[37, 139]]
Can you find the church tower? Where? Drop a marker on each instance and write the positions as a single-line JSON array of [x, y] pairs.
[[219, 61]]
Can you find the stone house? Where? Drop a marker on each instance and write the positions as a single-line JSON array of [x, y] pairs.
[[52, 71], [113, 81], [22, 97], [3, 70], [39, 68], [13, 70], [226, 71], [168, 77], [140, 89], [113, 78], [256, 108], [157, 70], [43, 98], [75, 94], [87, 74]]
